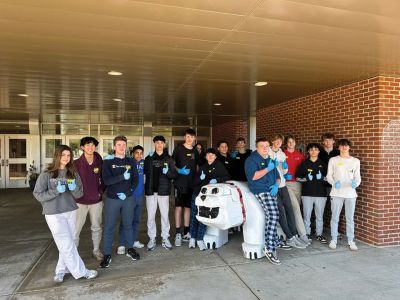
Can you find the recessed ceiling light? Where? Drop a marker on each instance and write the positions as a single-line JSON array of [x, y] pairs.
[[18, 126], [117, 100], [261, 83], [114, 73], [217, 104], [23, 95]]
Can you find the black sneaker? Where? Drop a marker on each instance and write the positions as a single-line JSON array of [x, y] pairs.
[[284, 246], [322, 239], [271, 257], [309, 238], [132, 254], [105, 263]]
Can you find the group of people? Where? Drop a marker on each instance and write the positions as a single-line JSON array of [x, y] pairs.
[[71, 189], [281, 180]]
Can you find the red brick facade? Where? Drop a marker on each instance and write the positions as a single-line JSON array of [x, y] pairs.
[[229, 132], [366, 112]]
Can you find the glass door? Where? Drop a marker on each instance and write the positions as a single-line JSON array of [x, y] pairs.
[[75, 143], [16, 161], [2, 163], [49, 144]]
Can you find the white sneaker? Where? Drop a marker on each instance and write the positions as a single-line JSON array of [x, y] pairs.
[[178, 240], [59, 277], [186, 237], [201, 245], [353, 246], [151, 245], [121, 250], [90, 274], [138, 245], [166, 244], [332, 244], [192, 243]]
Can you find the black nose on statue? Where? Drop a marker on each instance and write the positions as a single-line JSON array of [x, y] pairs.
[[203, 197]]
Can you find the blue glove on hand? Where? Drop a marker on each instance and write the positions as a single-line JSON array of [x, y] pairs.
[[202, 176], [165, 169], [109, 157], [288, 176], [234, 154], [271, 166], [276, 162], [310, 177], [121, 196], [60, 187], [338, 185], [71, 184], [127, 175], [285, 165], [319, 175], [273, 190], [184, 171], [213, 181], [354, 184]]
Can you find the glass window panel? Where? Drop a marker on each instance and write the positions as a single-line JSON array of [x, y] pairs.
[[115, 130], [50, 146], [17, 171], [94, 130], [51, 129], [17, 148], [73, 129], [75, 145], [203, 131]]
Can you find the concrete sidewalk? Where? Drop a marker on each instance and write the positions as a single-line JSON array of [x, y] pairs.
[[28, 258]]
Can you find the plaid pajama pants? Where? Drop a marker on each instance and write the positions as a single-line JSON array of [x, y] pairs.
[[270, 207], [197, 229]]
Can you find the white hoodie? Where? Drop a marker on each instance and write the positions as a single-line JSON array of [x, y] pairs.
[[344, 170]]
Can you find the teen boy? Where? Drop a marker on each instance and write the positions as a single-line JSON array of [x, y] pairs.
[[121, 178], [312, 174], [344, 176], [160, 170], [239, 158], [186, 161], [263, 180]]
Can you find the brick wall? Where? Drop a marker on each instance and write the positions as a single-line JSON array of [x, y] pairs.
[[366, 112], [229, 132]]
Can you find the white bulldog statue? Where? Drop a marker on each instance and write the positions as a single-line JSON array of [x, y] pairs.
[[230, 204]]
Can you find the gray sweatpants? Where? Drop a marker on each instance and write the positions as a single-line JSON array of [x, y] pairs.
[[318, 203], [336, 207]]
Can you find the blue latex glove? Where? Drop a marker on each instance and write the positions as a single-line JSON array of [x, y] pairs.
[[165, 169], [285, 165], [353, 184], [273, 190], [288, 176], [271, 165], [121, 196], [202, 176], [150, 153], [108, 157], [276, 162], [319, 175], [184, 171], [234, 154], [338, 185], [127, 175], [60, 187], [213, 181], [71, 185], [310, 177]]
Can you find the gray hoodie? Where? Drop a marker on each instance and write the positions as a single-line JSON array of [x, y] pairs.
[[52, 201]]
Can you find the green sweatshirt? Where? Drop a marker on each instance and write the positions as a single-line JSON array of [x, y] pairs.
[[52, 201]]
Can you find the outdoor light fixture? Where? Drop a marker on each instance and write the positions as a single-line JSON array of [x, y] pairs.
[[23, 95], [114, 73], [117, 100], [217, 104], [261, 83]]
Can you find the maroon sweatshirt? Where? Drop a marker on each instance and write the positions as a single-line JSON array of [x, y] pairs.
[[93, 186]]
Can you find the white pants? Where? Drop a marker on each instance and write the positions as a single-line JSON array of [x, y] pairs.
[[62, 227], [336, 207], [294, 189], [96, 215], [163, 204], [318, 203]]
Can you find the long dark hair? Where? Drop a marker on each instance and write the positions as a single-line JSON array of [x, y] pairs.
[[54, 166]]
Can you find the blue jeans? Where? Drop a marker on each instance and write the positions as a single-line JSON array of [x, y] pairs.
[[137, 213], [197, 229], [114, 209]]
